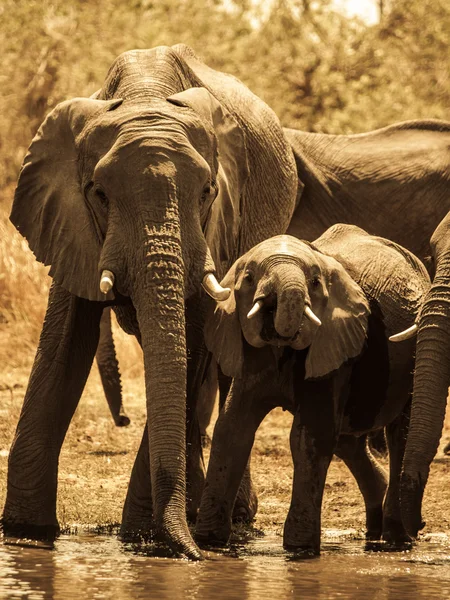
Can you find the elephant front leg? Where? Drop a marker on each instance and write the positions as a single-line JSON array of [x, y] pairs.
[[233, 439], [246, 503], [64, 357], [314, 435], [137, 515]]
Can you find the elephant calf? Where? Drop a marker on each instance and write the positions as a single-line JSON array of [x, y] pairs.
[[307, 328]]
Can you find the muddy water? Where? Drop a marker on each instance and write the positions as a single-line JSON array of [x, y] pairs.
[[89, 566]]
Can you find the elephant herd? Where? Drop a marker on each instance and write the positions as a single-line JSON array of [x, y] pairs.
[[174, 177]]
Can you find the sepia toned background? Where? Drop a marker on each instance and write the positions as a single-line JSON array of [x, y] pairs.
[[317, 67]]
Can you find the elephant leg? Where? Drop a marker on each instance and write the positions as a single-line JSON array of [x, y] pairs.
[[109, 370], [246, 504], [396, 434], [207, 401], [198, 362], [370, 477], [233, 439], [64, 358], [137, 515], [313, 439]]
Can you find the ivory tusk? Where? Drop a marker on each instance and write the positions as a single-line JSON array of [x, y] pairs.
[[106, 281], [213, 288], [255, 309], [312, 317], [404, 335]]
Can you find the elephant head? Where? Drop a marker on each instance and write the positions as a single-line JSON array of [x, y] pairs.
[[287, 293], [431, 382], [118, 197]]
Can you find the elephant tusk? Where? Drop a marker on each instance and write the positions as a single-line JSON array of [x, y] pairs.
[[404, 335], [255, 309], [312, 317], [213, 288], [106, 281]]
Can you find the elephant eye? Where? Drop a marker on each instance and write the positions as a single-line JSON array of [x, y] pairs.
[[248, 277], [315, 282], [210, 190], [102, 197]]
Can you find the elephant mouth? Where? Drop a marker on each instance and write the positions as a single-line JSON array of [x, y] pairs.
[[270, 335]]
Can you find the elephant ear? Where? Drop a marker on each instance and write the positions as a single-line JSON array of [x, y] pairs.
[[223, 334], [222, 228], [49, 207], [344, 322]]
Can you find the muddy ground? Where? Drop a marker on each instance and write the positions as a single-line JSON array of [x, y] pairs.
[[97, 457]]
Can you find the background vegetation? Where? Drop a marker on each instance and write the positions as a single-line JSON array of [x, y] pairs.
[[318, 69]]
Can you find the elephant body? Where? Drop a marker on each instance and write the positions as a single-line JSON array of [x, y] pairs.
[[335, 371], [135, 197], [392, 182]]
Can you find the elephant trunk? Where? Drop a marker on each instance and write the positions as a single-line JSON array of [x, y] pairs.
[[291, 293], [158, 296], [431, 383]]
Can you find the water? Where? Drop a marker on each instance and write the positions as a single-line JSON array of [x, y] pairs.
[[92, 566]]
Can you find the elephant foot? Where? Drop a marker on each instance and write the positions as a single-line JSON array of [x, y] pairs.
[[374, 523], [394, 532], [26, 531], [122, 420], [302, 551], [217, 538], [137, 519], [299, 540], [213, 526]]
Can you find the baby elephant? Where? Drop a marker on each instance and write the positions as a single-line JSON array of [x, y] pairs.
[[307, 328]]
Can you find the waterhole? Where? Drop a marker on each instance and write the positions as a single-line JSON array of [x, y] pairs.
[[94, 566]]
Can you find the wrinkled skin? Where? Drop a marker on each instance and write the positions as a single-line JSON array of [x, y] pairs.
[[341, 379], [431, 381], [169, 173], [392, 182]]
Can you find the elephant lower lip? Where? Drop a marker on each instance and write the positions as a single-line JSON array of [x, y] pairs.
[[278, 340]]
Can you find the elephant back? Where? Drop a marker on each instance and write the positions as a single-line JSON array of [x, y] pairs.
[[390, 276]]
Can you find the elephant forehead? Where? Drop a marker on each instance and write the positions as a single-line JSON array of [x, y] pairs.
[[282, 246], [141, 156], [143, 125]]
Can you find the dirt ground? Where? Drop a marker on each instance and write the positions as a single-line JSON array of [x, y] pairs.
[[97, 457]]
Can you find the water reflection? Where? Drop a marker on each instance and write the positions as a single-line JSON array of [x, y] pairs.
[[93, 566]]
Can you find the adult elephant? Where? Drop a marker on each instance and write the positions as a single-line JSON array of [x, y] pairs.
[[134, 198], [431, 381]]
